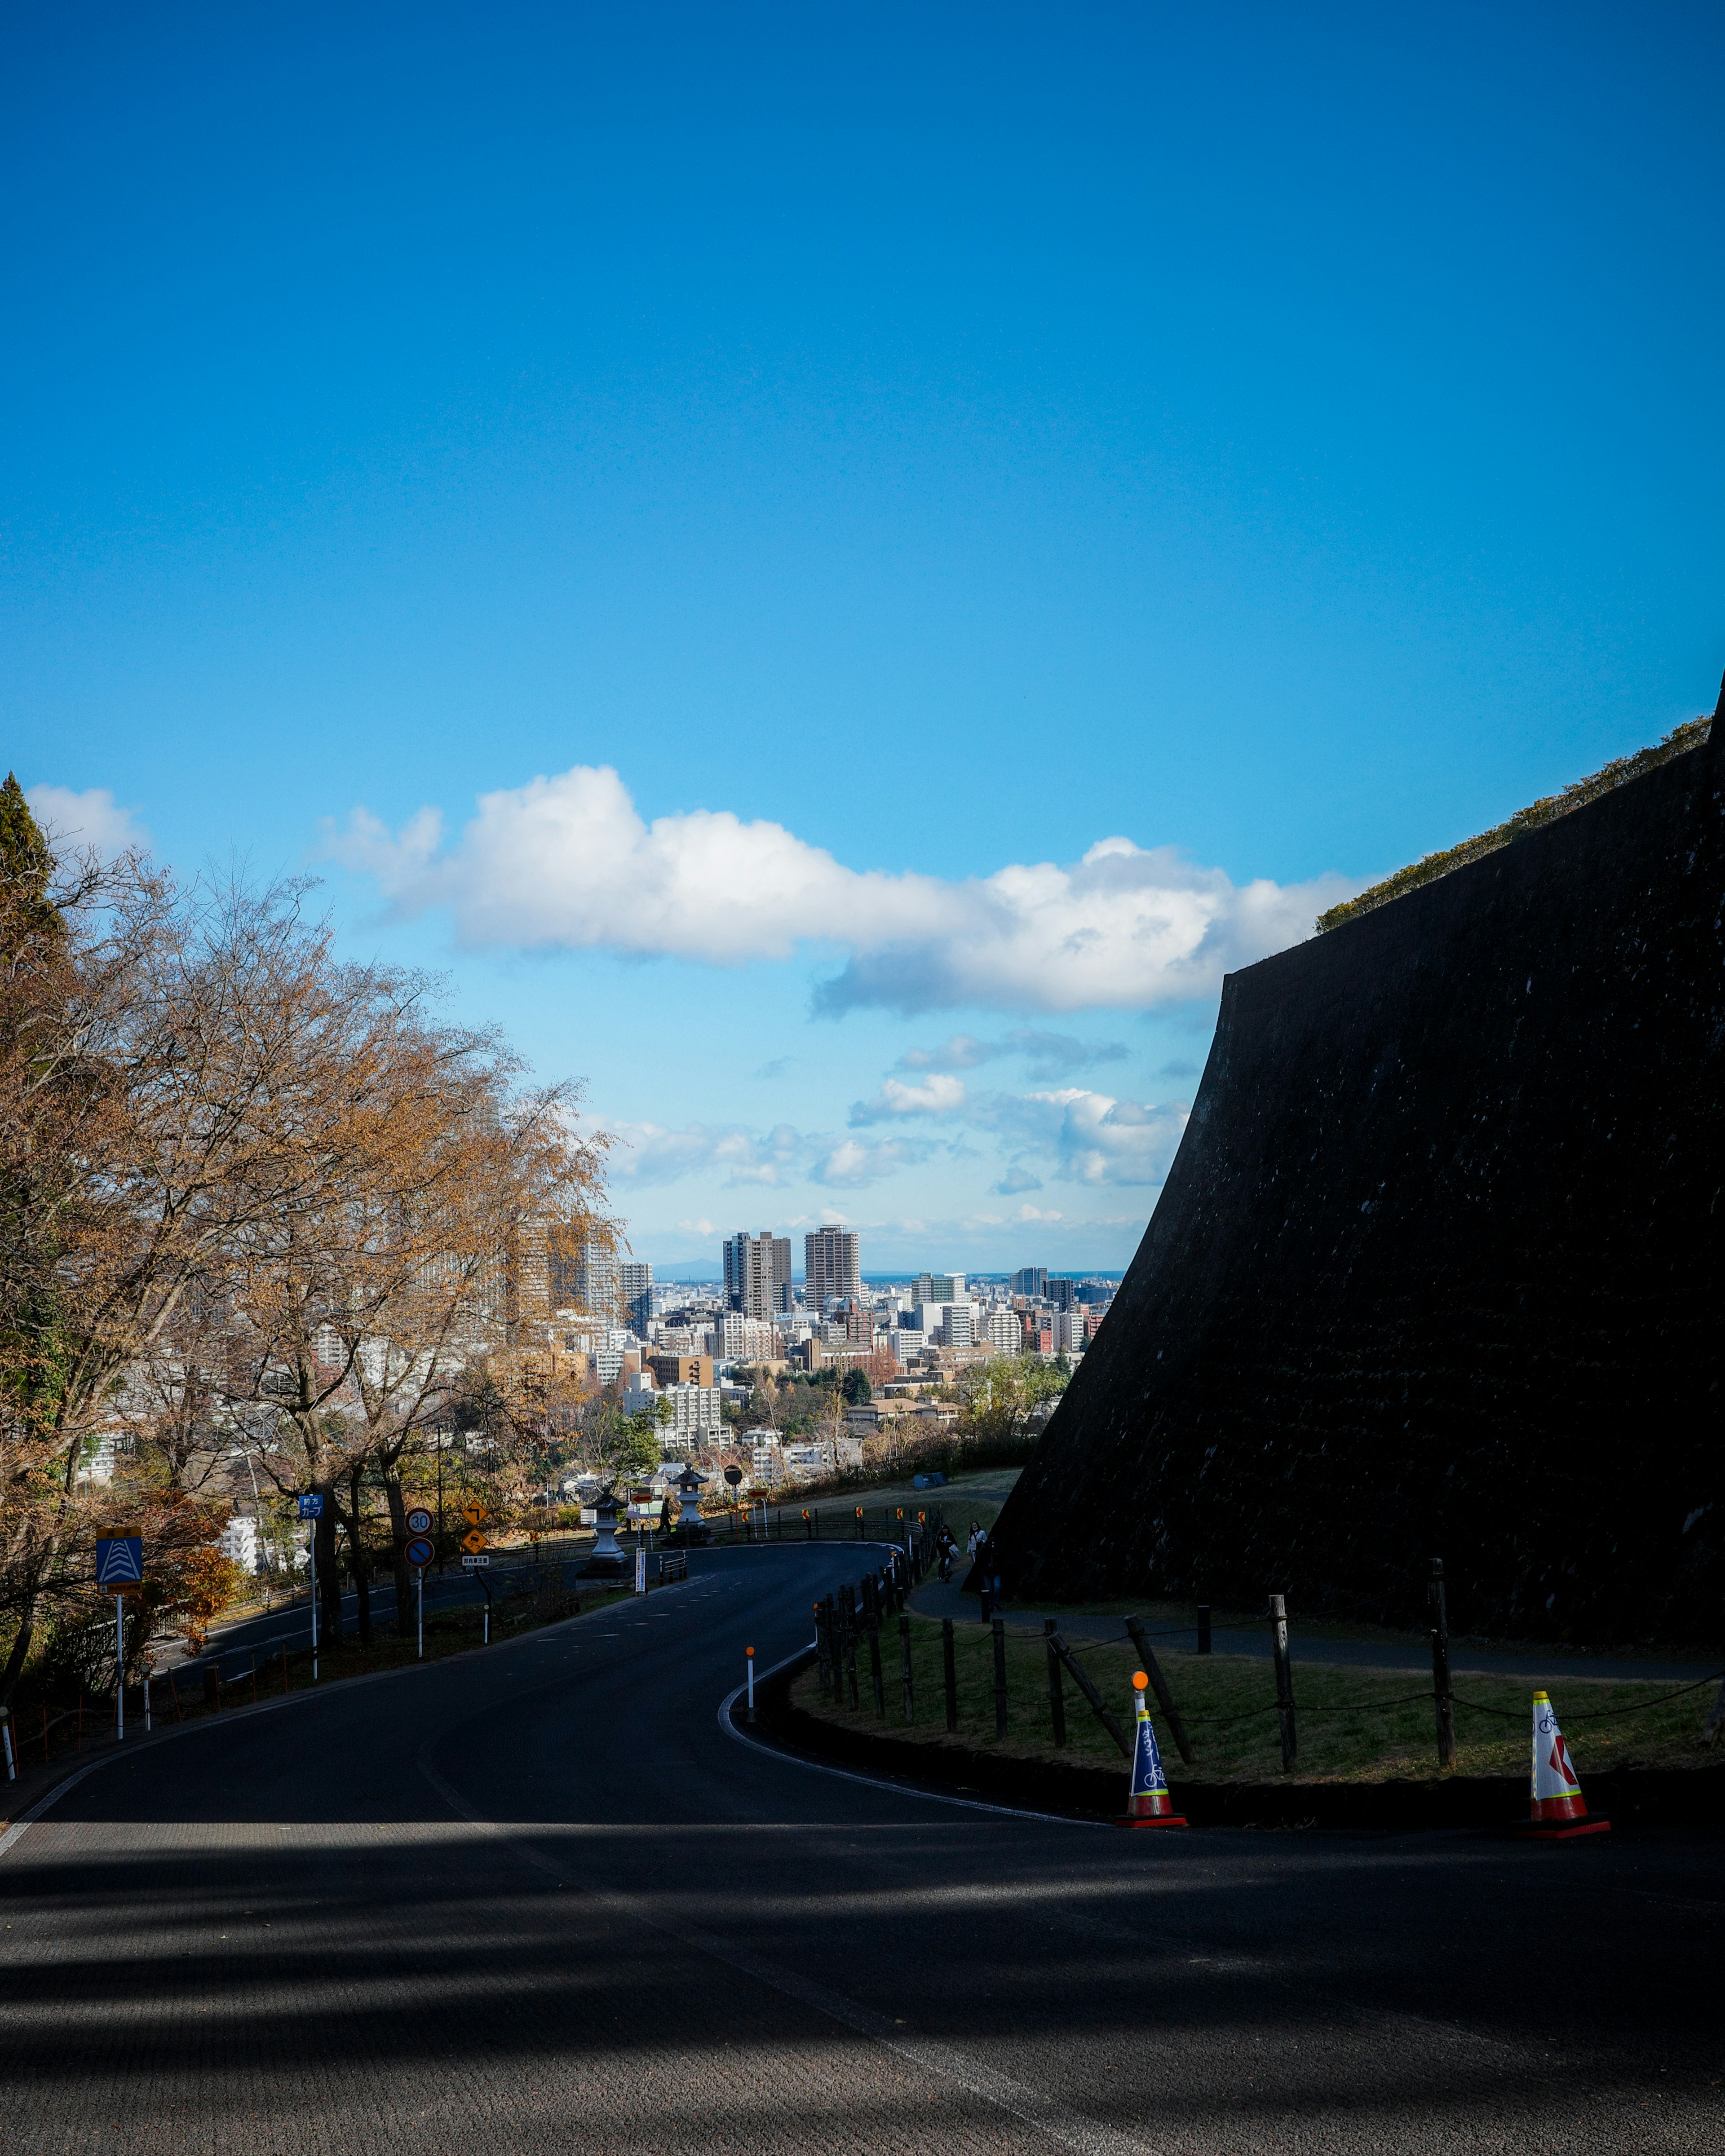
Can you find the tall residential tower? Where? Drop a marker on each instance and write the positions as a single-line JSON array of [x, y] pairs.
[[832, 1265]]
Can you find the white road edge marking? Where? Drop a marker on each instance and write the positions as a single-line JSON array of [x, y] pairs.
[[1046, 2114], [871, 1781]]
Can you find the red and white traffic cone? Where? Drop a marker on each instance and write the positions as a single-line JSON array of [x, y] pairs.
[[1148, 1803], [1559, 1810]]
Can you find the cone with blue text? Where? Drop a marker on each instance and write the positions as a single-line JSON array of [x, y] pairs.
[[1559, 1810], [1148, 1803]]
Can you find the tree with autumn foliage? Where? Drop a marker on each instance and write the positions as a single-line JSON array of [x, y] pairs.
[[256, 1203]]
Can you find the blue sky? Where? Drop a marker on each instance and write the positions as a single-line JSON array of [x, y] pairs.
[[976, 520]]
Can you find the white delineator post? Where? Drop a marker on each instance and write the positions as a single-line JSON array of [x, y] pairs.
[[6, 1732], [751, 1668], [146, 1702]]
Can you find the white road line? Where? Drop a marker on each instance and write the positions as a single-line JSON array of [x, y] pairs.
[[871, 1781]]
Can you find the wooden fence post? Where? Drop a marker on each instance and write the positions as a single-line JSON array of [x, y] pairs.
[[1284, 1679], [876, 1677], [998, 1626], [904, 1656], [823, 1650], [1164, 1697], [1056, 1696], [1099, 1705], [950, 1670], [1203, 1628], [1440, 1667]]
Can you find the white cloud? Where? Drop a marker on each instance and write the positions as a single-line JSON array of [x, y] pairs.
[[90, 818], [1032, 1212], [938, 1096], [850, 1165], [1049, 1055], [651, 1153], [1089, 1137], [1102, 1140], [1016, 1178], [963, 1051], [568, 862]]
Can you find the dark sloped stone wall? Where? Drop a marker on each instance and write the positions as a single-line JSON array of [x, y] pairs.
[[1436, 1270]]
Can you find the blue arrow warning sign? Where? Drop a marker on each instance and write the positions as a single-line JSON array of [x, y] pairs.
[[120, 1562]]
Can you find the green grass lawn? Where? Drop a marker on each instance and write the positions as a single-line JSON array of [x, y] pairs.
[[1354, 1725]]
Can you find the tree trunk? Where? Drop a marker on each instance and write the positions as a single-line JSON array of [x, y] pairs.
[[398, 1558], [361, 1562], [19, 1655], [329, 1578]]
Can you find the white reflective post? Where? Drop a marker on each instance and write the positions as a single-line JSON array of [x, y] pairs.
[[751, 1653]]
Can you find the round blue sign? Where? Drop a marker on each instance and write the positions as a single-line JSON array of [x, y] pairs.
[[420, 1550]]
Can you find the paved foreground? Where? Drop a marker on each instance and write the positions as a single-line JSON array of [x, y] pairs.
[[538, 1900]]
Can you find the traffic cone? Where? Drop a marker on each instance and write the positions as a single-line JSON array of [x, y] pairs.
[[1560, 1811], [1148, 1803]]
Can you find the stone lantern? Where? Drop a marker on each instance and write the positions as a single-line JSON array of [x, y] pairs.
[[609, 1560], [691, 1526]]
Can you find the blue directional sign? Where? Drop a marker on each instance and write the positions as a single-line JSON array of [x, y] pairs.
[[120, 1562], [312, 1507]]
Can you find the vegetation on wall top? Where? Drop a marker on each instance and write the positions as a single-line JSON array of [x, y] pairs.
[[1677, 743]]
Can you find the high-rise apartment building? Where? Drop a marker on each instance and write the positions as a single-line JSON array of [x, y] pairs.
[[592, 1279], [832, 1265], [757, 1273], [940, 1287], [1031, 1281], [1005, 1335], [635, 1283]]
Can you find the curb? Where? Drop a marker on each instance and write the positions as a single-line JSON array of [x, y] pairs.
[[1631, 1797]]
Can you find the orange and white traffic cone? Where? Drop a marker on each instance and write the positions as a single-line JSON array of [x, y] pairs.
[[1560, 1811], [1148, 1803]]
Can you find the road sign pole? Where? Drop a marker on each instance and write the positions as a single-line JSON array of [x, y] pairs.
[[119, 1669], [421, 1612], [312, 1544]]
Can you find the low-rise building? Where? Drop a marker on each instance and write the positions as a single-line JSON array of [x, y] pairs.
[[669, 1369], [695, 1419], [238, 1542]]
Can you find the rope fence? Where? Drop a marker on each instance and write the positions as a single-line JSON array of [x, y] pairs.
[[853, 1651]]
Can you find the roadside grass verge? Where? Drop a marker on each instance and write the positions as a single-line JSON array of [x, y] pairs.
[[1354, 1725]]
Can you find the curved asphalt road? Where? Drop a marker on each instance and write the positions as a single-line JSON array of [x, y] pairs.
[[537, 1899]]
